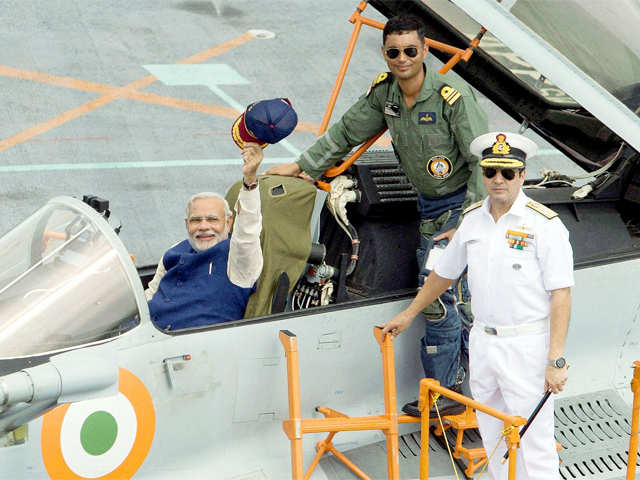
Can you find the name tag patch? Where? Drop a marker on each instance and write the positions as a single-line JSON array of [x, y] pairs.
[[426, 118], [391, 109]]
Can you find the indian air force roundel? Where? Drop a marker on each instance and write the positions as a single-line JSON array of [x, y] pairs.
[[106, 438]]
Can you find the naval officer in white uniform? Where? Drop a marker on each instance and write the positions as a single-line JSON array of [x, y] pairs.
[[520, 275]]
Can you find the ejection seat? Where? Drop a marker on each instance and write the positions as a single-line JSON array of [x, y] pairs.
[[287, 205]]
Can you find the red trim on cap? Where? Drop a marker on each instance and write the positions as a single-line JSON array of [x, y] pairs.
[[241, 134]]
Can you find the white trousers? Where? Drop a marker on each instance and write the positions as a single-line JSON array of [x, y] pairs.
[[507, 373]]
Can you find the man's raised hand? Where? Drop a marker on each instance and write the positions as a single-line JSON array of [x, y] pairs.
[[252, 156]]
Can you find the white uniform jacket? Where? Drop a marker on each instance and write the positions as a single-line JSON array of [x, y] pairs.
[[513, 263]]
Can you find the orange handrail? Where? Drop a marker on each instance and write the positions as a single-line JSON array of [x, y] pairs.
[[390, 401], [290, 344], [333, 422], [358, 20], [428, 385], [635, 418], [337, 170]]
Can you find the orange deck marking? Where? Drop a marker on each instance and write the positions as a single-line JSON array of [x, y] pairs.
[[182, 104], [113, 93], [66, 82]]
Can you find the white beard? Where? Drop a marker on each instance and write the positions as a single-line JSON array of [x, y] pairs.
[[199, 246]]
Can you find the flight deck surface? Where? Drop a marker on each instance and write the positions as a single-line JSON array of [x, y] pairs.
[[135, 102]]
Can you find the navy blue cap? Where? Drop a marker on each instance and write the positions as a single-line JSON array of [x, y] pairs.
[[264, 122]]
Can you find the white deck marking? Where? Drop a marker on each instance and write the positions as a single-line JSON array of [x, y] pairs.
[[125, 165]]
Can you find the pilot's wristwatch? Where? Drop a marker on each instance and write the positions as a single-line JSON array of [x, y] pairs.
[[559, 362]]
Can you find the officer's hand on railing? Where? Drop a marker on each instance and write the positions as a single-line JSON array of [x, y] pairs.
[[555, 378], [397, 324], [285, 169]]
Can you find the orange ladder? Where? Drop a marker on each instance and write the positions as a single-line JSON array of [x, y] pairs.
[[333, 422], [476, 457]]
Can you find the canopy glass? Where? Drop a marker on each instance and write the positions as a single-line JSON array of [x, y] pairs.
[[65, 281], [595, 36]]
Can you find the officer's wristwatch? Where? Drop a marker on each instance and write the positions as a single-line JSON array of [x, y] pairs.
[[559, 362]]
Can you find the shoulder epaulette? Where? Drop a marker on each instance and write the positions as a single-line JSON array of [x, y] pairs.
[[473, 206], [381, 78], [542, 209], [450, 94]]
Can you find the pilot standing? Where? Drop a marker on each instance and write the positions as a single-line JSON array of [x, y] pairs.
[[431, 121], [520, 270]]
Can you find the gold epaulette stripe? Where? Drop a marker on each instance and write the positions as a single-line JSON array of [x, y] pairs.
[[381, 78], [500, 162], [473, 206], [542, 209], [450, 94]]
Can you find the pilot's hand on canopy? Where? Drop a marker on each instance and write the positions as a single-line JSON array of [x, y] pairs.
[[398, 324], [252, 156], [285, 169]]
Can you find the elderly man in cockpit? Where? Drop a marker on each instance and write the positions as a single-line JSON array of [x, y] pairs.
[[208, 277]]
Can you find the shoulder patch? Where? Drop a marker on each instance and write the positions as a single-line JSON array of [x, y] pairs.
[[381, 78], [542, 209], [450, 94], [473, 206]]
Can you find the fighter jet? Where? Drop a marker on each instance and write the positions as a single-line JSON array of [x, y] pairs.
[[91, 388]]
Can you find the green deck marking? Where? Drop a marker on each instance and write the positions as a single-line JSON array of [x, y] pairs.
[[98, 433]]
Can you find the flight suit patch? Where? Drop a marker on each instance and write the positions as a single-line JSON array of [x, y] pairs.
[[439, 167], [391, 109], [450, 94], [426, 118]]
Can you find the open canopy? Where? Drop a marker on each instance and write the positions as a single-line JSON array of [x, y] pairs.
[[570, 69], [65, 280]]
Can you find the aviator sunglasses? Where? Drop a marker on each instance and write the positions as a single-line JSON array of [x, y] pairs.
[[410, 52], [507, 173]]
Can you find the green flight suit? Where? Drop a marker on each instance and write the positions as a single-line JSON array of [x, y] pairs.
[[431, 139]]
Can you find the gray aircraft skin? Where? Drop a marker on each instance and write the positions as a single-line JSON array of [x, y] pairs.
[[90, 388]]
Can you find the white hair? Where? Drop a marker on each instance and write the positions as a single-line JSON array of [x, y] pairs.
[[197, 196]]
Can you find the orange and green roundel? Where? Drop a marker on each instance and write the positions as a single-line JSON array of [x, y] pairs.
[[106, 438]]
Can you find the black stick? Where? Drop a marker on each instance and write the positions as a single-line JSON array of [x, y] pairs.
[[531, 418]]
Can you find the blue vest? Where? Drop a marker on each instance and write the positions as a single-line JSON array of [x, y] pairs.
[[195, 290]]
